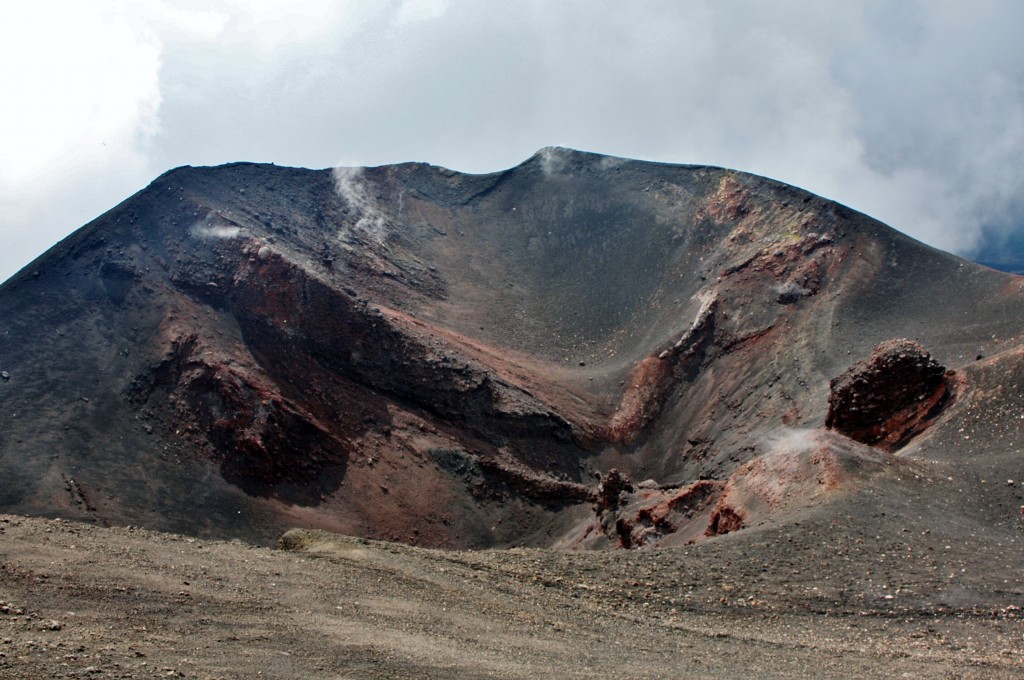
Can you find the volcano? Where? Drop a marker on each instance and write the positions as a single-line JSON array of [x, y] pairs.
[[581, 351]]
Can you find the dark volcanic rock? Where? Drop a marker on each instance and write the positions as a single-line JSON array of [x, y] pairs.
[[889, 397], [609, 492], [266, 443]]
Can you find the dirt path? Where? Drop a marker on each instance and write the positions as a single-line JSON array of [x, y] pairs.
[[80, 601]]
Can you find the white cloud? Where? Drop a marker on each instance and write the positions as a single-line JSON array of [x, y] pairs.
[[412, 11], [940, 95], [81, 102], [272, 25], [83, 80], [912, 112]]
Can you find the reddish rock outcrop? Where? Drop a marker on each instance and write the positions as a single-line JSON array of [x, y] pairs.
[[723, 521], [890, 397], [266, 443], [637, 515], [795, 468]]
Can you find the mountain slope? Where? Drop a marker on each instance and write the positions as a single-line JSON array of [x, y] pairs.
[[414, 354]]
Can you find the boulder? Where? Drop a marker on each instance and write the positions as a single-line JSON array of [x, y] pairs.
[[888, 398]]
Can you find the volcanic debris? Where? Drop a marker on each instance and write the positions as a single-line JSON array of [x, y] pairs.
[[888, 398]]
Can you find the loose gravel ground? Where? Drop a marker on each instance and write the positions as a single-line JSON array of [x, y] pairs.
[[81, 601]]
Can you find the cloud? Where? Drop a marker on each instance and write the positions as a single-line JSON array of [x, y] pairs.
[[81, 94], [412, 11], [940, 94], [273, 27], [81, 83], [912, 112]]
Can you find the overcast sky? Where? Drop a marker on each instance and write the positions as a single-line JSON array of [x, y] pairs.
[[910, 111]]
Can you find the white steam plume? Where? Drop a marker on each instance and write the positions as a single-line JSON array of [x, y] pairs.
[[609, 162], [368, 216], [552, 161], [208, 229]]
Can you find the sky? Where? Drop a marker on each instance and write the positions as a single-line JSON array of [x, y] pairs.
[[910, 111]]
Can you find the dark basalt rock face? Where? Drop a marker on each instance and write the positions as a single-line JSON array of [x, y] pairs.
[[241, 349], [889, 397]]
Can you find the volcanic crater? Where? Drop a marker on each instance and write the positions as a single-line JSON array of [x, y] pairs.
[[589, 353]]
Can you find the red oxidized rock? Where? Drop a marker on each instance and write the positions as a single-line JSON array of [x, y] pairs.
[[889, 397], [723, 521]]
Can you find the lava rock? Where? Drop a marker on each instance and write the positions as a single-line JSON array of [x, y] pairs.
[[888, 398], [613, 485]]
